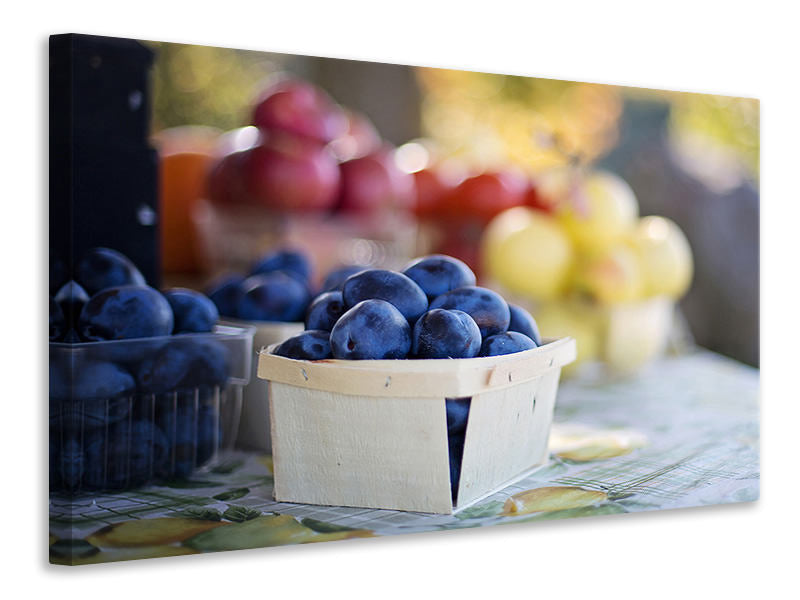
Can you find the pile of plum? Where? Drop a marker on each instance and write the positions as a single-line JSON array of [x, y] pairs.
[[433, 309], [145, 406]]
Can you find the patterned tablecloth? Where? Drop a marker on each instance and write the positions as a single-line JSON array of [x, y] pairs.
[[683, 433]]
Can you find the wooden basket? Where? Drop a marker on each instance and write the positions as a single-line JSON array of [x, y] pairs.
[[373, 433]]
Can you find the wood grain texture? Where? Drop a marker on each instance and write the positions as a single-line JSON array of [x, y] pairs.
[[346, 450], [448, 378], [374, 433], [504, 436]]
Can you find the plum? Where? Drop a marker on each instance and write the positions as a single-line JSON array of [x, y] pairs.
[[372, 329], [523, 322], [274, 296], [508, 342], [457, 414], [455, 446], [457, 417], [437, 274], [184, 363], [390, 286], [192, 311], [226, 294], [313, 344], [71, 463], [324, 311], [58, 323], [190, 422], [128, 454], [92, 394], [441, 333], [103, 268], [124, 312], [486, 307], [336, 278], [71, 297], [291, 262]]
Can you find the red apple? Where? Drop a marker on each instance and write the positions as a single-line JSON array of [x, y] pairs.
[[226, 185], [432, 190], [484, 196], [374, 182], [291, 173], [299, 108], [360, 139]]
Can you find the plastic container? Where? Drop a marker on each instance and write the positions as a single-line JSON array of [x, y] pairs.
[[374, 433], [254, 425], [130, 412]]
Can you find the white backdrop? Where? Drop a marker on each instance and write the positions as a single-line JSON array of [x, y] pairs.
[[709, 47]]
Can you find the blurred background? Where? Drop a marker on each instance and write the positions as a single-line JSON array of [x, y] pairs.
[[524, 179]]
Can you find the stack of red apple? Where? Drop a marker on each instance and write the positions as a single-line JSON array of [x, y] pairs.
[[457, 212], [307, 154]]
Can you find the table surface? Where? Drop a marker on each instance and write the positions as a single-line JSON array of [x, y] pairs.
[[684, 432]]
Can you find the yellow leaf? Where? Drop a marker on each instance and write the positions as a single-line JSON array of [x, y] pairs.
[[150, 532], [550, 498], [580, 444], [272, 530], [266, 460], [341, 535], [116, 554]]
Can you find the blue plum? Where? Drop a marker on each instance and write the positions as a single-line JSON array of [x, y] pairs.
[[89, 379], [508, 342], [90, 394], [275, 296], [486, 307], [457, 414], [71, 297], [125, 312], [226, 294], [336, 278], [523, 322], [71, 337], [103, 268], [291, 262], [441, 333], [71, 463], [437, 274], [184, 363], [372, 329], [58, 323], [128, 454], [457, 417], [192, 311], [324, 311], [455, 446], [190, 422], [381, 284], [313, 344]]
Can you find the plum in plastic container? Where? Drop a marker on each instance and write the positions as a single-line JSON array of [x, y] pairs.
[[126, 413]]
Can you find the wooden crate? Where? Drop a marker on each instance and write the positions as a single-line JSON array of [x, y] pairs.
[[373, 433]]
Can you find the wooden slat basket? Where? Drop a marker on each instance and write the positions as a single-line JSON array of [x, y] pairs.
[[373, 433]]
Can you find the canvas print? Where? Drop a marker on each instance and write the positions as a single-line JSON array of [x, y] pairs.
[[296, 299]]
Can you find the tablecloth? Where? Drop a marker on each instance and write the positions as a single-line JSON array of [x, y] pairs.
[[684, 432]]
